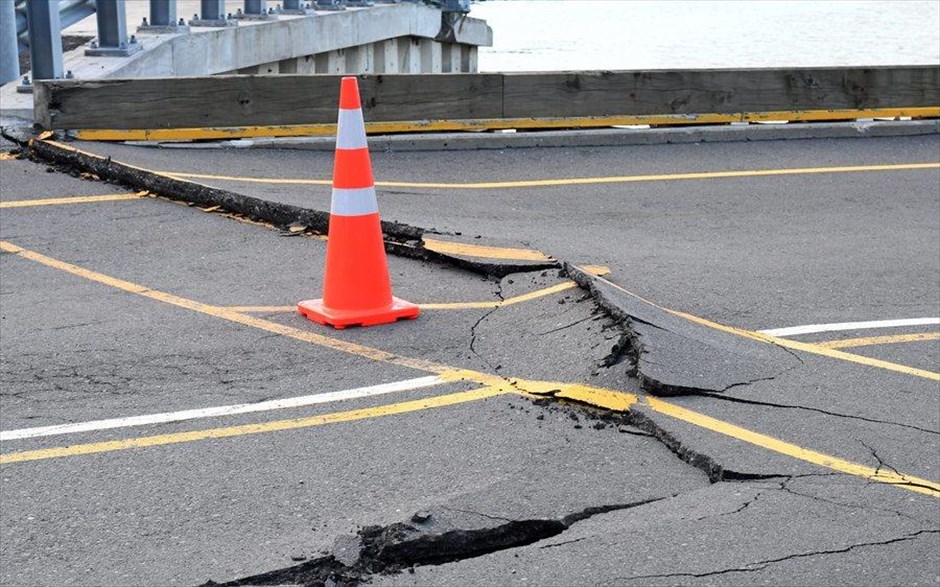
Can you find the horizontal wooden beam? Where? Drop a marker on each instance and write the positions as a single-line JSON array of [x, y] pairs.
[[282, 104]]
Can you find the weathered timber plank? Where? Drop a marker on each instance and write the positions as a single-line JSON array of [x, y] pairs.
[[580, 94], [220, 101], [228, 101]]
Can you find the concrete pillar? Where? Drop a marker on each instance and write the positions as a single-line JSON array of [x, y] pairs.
[[386, 56], [360, 59], [45, 39], [9, 49], [409, 55], [456, 58], [321, 63], [336, 62], [430, 56], [445, 57], [306, 64], [468, 58]]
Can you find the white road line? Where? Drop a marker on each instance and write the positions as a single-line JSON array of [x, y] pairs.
[[811, 328], [291, 402]]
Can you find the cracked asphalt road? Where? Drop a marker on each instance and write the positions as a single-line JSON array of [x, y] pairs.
[[135, 307]]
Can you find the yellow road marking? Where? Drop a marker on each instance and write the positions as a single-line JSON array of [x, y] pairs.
[[400, 126], [597, 269], [609, 399], [484, 251], [579, 180], [278, 425], [70, 200], [875, 340], [814, 348], [438, 306], [797, 452], [226, 314], [7, 157], [261, 309]]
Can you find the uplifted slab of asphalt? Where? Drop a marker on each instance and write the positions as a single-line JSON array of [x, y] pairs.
[[673, 355]]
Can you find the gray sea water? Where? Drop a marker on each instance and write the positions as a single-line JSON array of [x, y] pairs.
[[546, 35]]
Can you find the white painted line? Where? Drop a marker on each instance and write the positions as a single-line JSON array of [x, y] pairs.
[[291, 402], [811, 328]]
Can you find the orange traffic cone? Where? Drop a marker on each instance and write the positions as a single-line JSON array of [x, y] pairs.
[[357, 289]]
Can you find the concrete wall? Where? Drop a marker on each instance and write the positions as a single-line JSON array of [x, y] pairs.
[[330, 42], [399, 55]]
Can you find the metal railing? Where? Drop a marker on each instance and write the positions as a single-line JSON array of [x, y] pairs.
[[70, 12]]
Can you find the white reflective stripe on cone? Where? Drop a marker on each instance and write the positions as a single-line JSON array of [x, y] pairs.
[[356, 202], [350, 129]]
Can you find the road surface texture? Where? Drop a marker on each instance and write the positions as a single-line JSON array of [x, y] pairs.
[[656, 365]]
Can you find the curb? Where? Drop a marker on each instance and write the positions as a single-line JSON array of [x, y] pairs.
[[607, 137]]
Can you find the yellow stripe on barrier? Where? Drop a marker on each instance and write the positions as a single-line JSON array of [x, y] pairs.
[[405, 126]]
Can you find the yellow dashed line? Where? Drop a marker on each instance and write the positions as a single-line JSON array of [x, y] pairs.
[[876, 340], [581, 180], [70, 200], [495, 385]]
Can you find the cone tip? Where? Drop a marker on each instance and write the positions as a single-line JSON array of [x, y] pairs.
[[349, 93]]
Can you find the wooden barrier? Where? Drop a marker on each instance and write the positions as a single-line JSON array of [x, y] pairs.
[[306, 104]]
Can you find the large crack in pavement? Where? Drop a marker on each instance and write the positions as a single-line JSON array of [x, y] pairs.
[[428, 538]]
